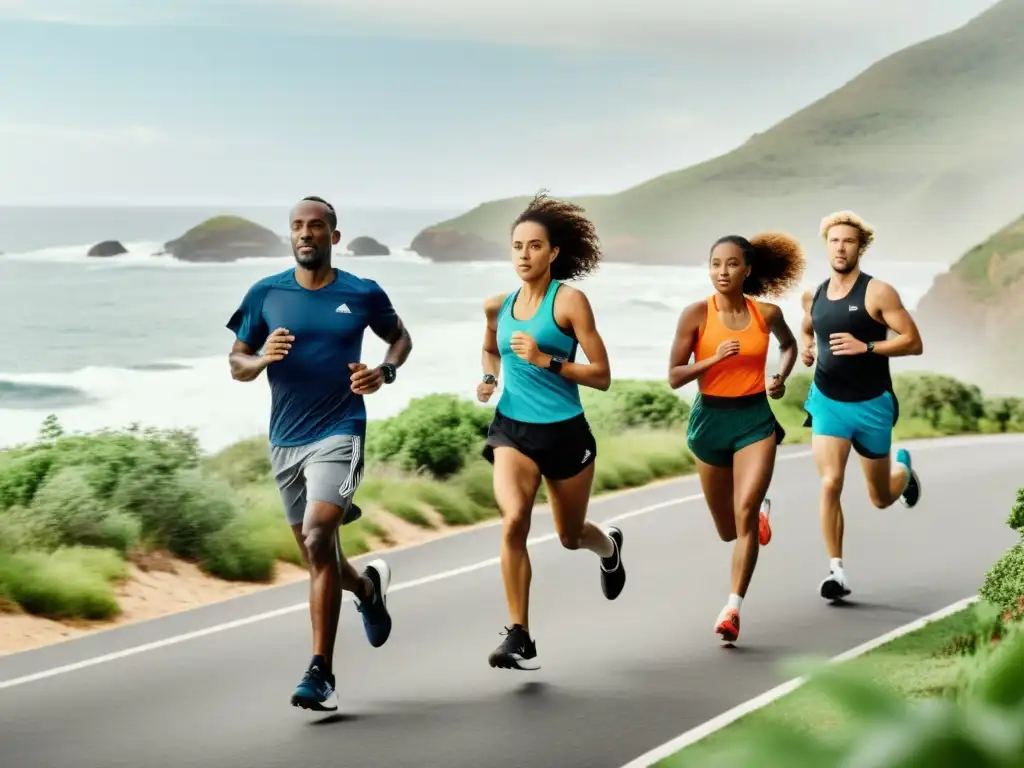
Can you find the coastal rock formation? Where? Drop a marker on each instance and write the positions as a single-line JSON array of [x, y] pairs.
[[107, 248], [451, 245], [227, 238], [972, 316], [367, 246]]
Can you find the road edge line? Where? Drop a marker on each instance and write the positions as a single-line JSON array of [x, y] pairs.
[[728, 717]]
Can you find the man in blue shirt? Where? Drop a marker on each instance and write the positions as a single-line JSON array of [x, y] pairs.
[[305, 327]]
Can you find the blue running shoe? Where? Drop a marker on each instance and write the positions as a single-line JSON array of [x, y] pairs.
[[376, 618], [316, 691], [912, 492]]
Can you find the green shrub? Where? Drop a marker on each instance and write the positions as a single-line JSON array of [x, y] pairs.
[[1016, 517], [455, 506], [22, 471], [880, 729], [630, 404], [177, 510], [67, 510], [476, 483], [242, 550], [67, 583], [436, 434], [1004, 581], [942, 401], [242, 463], [798, 386]]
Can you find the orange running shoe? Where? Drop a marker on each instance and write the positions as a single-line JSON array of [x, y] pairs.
[[729, 625], [764, 527]]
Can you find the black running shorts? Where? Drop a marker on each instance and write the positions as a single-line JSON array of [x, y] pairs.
[[560, 450]]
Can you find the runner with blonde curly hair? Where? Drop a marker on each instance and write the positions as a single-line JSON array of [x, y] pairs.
[[733, 433], [851, 403]]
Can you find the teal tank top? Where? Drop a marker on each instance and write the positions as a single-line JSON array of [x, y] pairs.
[[531, 394]]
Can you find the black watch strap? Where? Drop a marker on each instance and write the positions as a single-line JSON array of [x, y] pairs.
[[390, 372], [556, 364], [490, 378]]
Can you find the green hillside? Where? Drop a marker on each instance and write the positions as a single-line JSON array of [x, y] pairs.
[[972, 315], [902, 144], [995, 266]]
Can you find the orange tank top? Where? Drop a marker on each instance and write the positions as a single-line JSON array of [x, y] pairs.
[[743, 373]]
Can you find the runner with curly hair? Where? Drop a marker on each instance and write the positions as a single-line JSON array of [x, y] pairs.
[[733, 433], [539, 430]]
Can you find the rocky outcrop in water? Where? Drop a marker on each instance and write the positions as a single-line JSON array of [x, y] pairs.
[[449, 245], [225, 239], [367, 246], [107, 248]]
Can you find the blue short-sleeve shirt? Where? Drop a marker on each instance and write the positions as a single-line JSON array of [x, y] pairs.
[[310, 389]]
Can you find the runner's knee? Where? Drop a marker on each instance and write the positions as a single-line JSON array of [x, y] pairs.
[[726, 526], [879, 498], [319, 530], [832, 485], [571, 539], [880, 493], [319, 545], [515, 529], [746, 519]]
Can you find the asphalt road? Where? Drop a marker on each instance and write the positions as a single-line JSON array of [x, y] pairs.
[[617, 679]]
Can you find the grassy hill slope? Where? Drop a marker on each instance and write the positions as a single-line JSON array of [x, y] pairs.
[[901, 143], [973, 315]]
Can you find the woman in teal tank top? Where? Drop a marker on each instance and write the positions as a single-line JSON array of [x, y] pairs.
[[539, 430]]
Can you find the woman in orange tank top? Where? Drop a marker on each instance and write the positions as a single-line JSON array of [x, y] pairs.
[[733, 433]]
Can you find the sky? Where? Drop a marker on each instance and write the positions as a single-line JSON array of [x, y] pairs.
[[408, 103]]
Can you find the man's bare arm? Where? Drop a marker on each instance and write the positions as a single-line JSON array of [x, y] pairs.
[[399, 344], [247, 364], [884, 304]]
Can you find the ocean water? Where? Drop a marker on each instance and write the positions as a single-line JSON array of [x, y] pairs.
[[139, 338]]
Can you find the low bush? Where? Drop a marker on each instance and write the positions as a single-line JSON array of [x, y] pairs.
[[436, 434], [1004, 582], [73, 582], [980, 724], [141, 489]]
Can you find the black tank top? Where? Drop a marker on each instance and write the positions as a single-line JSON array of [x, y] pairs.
[[852, 378]]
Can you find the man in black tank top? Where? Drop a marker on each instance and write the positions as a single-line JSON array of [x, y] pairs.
[[851, 403]]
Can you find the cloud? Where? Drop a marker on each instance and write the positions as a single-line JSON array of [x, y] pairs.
[[120, 134], [129, 135], [639, 25], [104, 12]]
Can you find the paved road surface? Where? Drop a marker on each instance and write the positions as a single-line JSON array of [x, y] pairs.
[[617, 678]]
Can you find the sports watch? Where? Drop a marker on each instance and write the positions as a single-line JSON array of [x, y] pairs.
[[871, 347], [389, 371], [556, 364], [490, 378]]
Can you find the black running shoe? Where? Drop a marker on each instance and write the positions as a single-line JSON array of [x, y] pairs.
[[912, 493], [834, 587], [517, 651], [376, 616], [613, 572], [352, 514]]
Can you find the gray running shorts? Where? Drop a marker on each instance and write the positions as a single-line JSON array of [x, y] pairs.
[[328, 470]]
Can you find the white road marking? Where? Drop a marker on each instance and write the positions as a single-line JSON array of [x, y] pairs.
[[727, 718], [931, 444]]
